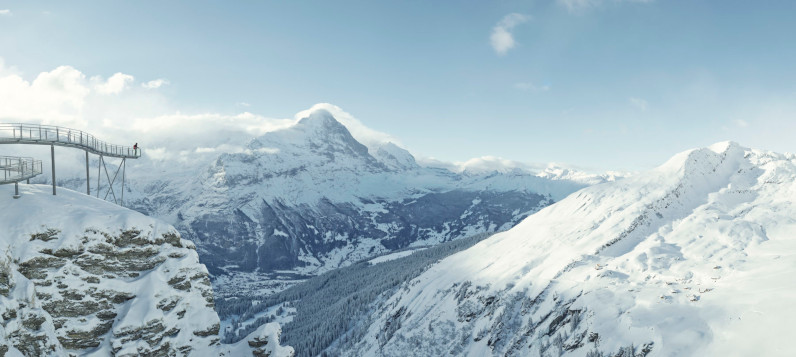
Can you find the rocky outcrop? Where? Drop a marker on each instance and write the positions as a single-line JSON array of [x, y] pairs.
[[85, 286], [26, 327], [99, 278]]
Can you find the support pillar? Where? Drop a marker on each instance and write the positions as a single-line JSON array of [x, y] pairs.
[[124, 168], [52, 159], [88, 186], [99, 167], [16, 190]]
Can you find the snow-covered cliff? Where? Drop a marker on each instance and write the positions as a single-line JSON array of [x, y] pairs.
[[695, 257], [82, 276]]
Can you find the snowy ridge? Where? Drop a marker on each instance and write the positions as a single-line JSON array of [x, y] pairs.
[[80, 275], [687, 259]]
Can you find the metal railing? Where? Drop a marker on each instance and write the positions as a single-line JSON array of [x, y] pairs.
[[16, 169], [56, 135]]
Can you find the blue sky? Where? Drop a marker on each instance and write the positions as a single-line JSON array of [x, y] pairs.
[[603, 84]]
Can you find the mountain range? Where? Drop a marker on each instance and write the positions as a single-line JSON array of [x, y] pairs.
[[305, 199], [692, 257]]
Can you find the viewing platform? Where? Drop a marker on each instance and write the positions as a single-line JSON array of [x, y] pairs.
[[36, 134], [16, 133], [16, 169]]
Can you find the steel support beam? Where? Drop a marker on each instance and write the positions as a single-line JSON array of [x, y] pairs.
[[111, 181], [124, 168], [52, 159], [99, 174], [88, 186]]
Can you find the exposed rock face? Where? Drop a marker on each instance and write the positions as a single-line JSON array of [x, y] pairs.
[[26, 327], [92, 284], [102, 279]]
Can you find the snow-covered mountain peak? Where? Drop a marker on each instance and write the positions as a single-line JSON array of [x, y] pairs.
[[319, 117], [395, 157], [703, 160], [723, 146], [677, 260], [319, 131]]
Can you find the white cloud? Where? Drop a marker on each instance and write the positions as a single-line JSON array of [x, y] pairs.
[[5, 12], [57, 96], [528, 86], [741, 123], [502, 40], [493, 163], [579, 5], [156, 83], [639, 103], [114, 85], [66, 97]]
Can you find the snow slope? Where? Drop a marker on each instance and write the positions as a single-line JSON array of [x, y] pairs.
[[84, 276], [695, 257]]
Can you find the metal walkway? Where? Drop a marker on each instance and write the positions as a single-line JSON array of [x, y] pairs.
[[35, 134], [16, 169], [58, 136]]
